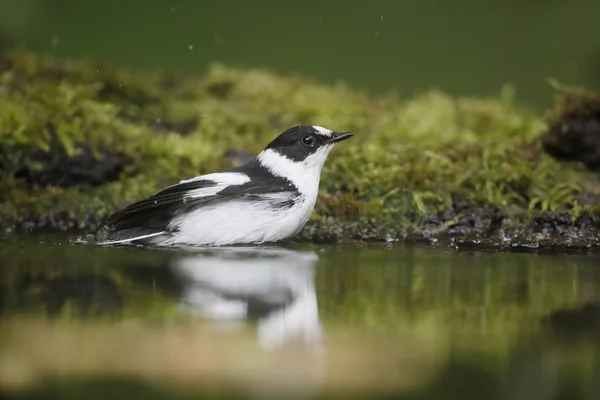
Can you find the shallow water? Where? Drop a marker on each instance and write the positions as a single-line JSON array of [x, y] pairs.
[[410, 321]]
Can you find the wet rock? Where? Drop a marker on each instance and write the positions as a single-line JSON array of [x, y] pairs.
[[465, 220], [552, 222], [56, 168], [574, 130]]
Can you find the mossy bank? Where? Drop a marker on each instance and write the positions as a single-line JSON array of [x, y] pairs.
[[79, 140]]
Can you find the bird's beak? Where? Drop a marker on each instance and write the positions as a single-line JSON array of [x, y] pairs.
[[338, 137]]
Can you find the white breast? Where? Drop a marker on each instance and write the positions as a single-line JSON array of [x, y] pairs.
[[237, 222], [305, 175]]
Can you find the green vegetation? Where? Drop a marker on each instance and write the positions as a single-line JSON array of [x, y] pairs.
[[79, 140]]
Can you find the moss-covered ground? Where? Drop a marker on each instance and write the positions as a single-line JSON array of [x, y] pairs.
[[79, 140]]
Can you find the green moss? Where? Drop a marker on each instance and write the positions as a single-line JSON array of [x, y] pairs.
[[433, 165]]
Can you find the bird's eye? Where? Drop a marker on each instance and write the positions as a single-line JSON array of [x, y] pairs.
[[308, 140]]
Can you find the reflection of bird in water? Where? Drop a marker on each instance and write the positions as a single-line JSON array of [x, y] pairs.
[[272, 285]]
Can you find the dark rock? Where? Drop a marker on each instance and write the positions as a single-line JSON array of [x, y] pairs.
[[574, 133]]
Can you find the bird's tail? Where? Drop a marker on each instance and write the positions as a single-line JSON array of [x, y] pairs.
[[126, 236]]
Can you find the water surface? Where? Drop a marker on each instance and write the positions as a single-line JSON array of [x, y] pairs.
[[412, 321]]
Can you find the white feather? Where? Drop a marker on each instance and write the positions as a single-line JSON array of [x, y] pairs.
[[151, 235], [323, 131], [305, 175], [221, 179]]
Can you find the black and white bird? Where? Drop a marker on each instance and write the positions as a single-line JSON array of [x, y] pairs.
[[274, 287], [265, 200]]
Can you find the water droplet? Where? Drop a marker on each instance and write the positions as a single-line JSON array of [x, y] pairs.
[[382, 17], [97, 69], [191, 47], [120, 85], [158, 120], [55, 41]]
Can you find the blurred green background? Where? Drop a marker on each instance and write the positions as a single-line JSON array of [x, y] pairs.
[[464, 47]]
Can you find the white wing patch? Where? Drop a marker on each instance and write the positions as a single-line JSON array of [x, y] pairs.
[[323, 131], [222, 180]]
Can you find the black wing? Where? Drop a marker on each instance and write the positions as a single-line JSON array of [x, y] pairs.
[[153, 215]]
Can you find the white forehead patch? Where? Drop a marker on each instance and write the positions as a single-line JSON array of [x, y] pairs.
[[323, 131]]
